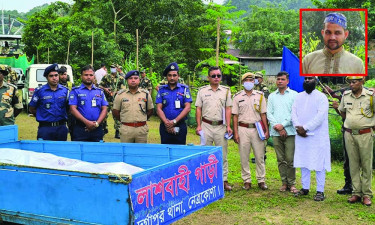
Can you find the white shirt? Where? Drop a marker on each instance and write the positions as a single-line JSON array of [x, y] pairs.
[[99, 74], [314, 151]]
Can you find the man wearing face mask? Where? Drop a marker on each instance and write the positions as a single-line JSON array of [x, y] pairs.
[[249, 107], [111, 84], [213, 114], [333, 59], [259, 86], [312, 145]]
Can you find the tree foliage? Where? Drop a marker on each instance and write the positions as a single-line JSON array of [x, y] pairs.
[[288, 4], [355, 4], [265, 31]]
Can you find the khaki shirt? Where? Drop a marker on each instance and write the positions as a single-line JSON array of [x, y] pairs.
[[213, 102], [323, 62], [132, 107], [358, 110], [248, 108]]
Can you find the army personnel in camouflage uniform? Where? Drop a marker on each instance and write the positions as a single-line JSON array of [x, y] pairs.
[[357, 107], [11, 103], [259, 86], [133, 106], [111, 84], [145, 82], [213, 107], [63, 78], [12, 76]]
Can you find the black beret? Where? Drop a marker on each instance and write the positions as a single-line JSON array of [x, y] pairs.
[[171, 67], [53, 67], [132, 73]]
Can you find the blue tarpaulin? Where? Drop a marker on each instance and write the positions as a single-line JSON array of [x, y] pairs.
[[290, 64]]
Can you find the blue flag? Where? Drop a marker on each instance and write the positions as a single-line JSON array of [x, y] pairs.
[[290, 64]]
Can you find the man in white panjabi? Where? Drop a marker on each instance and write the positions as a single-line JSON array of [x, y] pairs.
[[312, 145]]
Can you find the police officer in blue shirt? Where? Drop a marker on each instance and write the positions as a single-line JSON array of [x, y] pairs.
[[89, 106], [173, 105], [49, 105]]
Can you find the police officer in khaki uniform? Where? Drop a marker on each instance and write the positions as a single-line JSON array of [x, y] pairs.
[[133, 106], [213, 114], [10, 101], [249, 107], [357, 107]]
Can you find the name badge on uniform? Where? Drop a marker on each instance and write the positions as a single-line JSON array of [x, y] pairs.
[[177, 104], [82, 102], [48, 105], [93, 102]]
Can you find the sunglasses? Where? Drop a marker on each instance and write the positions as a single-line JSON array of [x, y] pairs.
[[216, 75]]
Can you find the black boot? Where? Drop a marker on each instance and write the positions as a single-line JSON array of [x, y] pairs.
[[117, 135], [347, 189]]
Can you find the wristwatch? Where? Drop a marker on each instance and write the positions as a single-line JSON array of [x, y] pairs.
[[174, 121], [96, 124]]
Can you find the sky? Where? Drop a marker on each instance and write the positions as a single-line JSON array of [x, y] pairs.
[[26, 5]]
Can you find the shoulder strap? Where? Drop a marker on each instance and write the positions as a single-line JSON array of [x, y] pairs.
[[146, 101]]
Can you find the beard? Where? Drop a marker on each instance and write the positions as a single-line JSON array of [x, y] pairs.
[[309, 87], [336, 46], [87, 82]]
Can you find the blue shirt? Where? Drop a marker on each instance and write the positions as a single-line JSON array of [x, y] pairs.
[[51, 105], [89, 102], [279, 111], [168, 98]]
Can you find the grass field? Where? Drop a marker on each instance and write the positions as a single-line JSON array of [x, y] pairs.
[[256, 206]]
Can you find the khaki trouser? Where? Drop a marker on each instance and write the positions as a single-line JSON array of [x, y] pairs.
[[249, 138], [215, 134], [284, 149], [130, 134], [360, 152]]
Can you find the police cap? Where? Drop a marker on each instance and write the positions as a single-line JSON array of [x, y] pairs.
[[354, 78], [171, 67], [132, 73], [246, 75], [53, 67]]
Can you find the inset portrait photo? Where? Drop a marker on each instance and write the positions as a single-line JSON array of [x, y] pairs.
[[333, 42]]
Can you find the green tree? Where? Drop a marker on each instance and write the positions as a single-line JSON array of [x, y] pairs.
[[266, 30], [355, 4]]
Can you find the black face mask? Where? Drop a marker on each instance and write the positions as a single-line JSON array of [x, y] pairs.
[[309, 87]]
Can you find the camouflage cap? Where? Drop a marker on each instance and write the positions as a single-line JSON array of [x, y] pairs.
[[258, 75], [113, 65], [4, 69]]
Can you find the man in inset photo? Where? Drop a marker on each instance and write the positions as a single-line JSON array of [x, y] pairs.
[[333, 58]]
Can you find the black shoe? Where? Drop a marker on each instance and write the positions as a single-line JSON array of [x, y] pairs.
[[345, 191], [117, 135], [302, 192], [105, 131], [319, 196]]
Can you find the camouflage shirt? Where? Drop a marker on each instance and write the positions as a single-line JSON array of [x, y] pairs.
[[263, 88], [145, 83], [10, 99], [114, 84], [13, 77]]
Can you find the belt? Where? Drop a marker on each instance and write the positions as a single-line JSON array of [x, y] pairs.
[[135, 124], [52, 124], [356, 132], [213, 123], [247, 125]]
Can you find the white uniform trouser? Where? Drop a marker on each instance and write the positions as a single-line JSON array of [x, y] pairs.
[[320, 179]]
